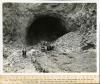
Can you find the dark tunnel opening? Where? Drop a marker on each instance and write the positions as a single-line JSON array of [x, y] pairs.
[[45, 28]]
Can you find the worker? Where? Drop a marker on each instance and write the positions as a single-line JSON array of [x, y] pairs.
[[24, 53]]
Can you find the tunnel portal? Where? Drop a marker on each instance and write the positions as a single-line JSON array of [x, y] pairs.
[[46, 28]]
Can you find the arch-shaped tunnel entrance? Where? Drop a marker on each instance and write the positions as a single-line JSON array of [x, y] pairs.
[[45, 27]]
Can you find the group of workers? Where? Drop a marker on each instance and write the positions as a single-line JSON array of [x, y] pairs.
[[45, 46]]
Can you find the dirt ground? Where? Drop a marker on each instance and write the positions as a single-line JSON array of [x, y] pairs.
[[67, 56]]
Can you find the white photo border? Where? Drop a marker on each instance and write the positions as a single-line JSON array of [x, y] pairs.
[[48, 1]]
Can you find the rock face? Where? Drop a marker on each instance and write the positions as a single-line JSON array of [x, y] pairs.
[[69, 28]]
